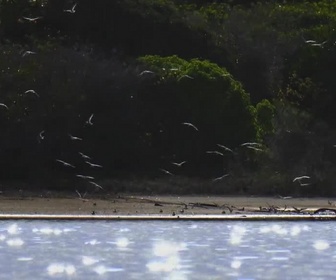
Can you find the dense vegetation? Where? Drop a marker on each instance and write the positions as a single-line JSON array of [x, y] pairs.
[[240, 72]]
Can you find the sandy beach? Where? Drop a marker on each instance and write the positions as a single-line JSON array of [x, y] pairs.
[[131, 204]]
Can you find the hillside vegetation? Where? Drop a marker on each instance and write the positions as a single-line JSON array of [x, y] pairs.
[[169, 96]]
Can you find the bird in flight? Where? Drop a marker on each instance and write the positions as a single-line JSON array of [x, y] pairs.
[[179, 164], [41, 135], [65, 163], [220, 178], [166, 171], [145, 72], [300, 178], [191, 125], [94, 165], [254, 148], [35, 19], [74, 138], [251, 144], [225, 148], [96, 185], [32, 91], [72, 10], [85, 177], [215, 152], [318, 44], [28, 53], [89, 121], [84, 156], [4, 105], [185, 76]]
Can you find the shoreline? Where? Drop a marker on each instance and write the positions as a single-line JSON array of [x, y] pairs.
[[162, 205]]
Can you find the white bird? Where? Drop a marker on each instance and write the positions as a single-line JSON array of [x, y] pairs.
[[215, 152], [191, 125], [225, 148], [32, 19], [96, 185], [166, 171], [94, 165], [74, 138], [185, 76], [41, 135], [318, 44], [89, 121], [72, 10], [81, 197], [28, 53], [4, 105], [285, 197], [65, 163], [251, 144], [220, 178], [179, 164], [84, 156], [145, 72], [254, 148], [85, 177], [301, 178], [308, 41], [32, 91]]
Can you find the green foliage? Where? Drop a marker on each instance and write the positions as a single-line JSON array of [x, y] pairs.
[[265, 112], [207, 95]]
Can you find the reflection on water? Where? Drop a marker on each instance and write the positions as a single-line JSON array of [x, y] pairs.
[[167, 250]]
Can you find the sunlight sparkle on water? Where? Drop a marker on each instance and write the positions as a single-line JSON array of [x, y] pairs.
[[13, 229], [15, 242], [61, 268], [236, 264], [89, 260], [321, 245]]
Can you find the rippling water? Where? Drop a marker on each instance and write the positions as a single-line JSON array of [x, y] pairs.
[[167, 250]]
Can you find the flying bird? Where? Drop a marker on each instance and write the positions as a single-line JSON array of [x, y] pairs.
[[28, 53], [185, 76], [318, 44], [35, 19], [94, 165], [308, 41], [89, 121], [65, 163], [215, 152], [301, 178], [166, 171], [251, 144], [81, 197], [179, 164], [4, 105], [145, 72], [84, 156], [41, 135], [74, 138], [191, 125], [254, 148], [225, 148], [85, 177], [72, 10], [220, 178], [32, 91], [96, 185]]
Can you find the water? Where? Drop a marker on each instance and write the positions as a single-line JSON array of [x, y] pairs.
[[167, 250]]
